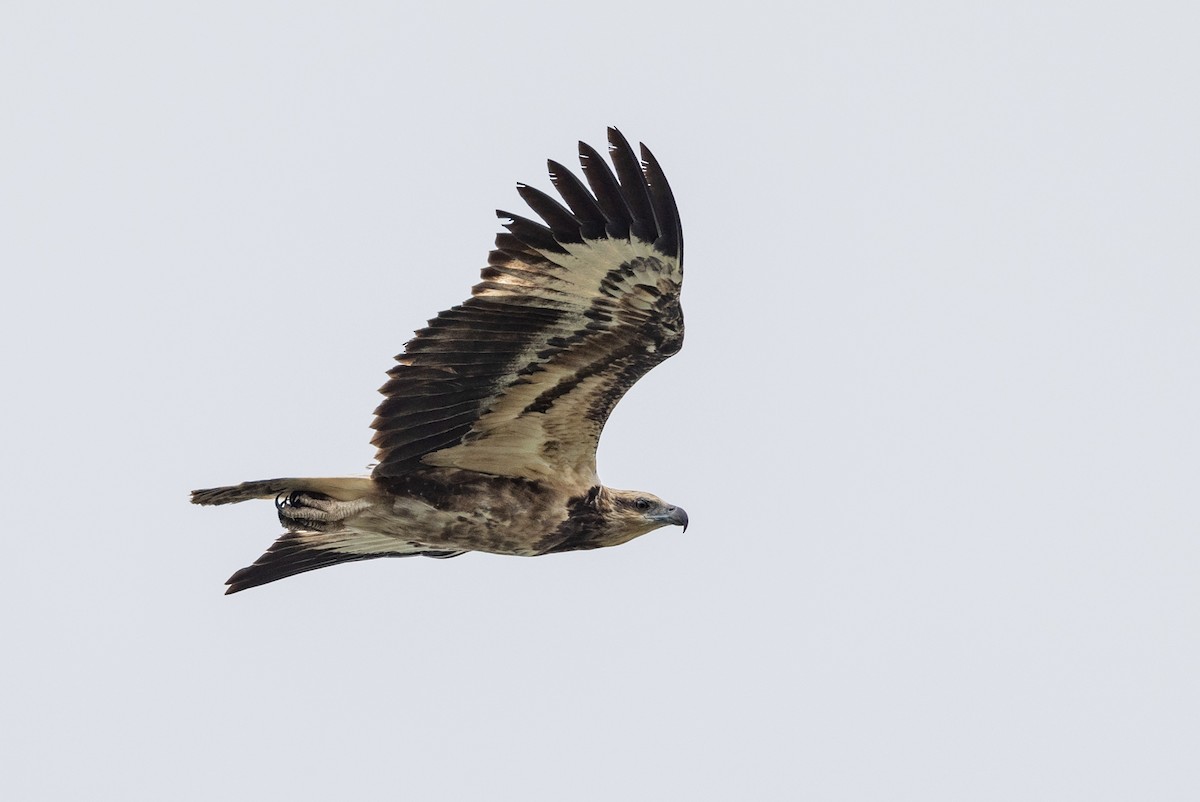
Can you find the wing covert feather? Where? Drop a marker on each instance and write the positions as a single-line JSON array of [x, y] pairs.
[[519, 379]]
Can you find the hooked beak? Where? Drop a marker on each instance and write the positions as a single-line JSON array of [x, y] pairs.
[[678, 517]]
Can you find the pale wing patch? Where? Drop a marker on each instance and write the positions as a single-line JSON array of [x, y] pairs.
[[560, 442], [361, 542]]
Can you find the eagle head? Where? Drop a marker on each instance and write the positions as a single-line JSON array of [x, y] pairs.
[[626, 514], [607, 517]]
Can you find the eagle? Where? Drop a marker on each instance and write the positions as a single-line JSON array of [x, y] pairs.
[[486, 437]]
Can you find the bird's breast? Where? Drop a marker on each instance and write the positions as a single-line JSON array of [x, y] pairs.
[[481, 513]]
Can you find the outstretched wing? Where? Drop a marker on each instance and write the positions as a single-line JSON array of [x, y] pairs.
[[520, 379]]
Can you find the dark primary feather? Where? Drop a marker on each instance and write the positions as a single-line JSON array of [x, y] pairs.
[[531, 233], [462, 365], [612, 203], [583, 205], [633, 188], [666, 213], [564, 226]]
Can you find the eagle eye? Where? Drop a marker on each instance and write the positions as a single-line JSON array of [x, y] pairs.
[[641, 504]]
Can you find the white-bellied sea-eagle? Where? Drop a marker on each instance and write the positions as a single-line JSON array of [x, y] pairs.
[[487, 433]]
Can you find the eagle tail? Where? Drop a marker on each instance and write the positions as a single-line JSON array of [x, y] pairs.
[[343, 488], [297, 552]]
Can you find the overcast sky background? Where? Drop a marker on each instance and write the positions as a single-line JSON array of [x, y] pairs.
[[935, 423]]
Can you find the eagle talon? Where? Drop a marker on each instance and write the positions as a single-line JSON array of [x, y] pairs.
[[287, 501]]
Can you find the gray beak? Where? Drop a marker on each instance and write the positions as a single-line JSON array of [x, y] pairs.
[[678, 517]]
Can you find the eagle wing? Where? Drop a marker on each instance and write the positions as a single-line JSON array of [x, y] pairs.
[[519, 380]]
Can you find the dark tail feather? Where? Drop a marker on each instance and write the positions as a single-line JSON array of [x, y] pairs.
[[295, 553]]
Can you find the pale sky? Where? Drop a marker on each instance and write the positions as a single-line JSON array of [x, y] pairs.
[[935, 422]]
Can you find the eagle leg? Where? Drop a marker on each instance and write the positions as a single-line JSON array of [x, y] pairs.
[[301, 510]]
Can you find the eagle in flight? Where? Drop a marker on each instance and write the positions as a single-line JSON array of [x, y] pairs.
[[487, 433]]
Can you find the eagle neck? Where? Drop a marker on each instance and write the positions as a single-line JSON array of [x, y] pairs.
[[585, 520]]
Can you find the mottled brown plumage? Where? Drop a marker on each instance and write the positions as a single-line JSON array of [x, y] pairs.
[[488, 429]]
